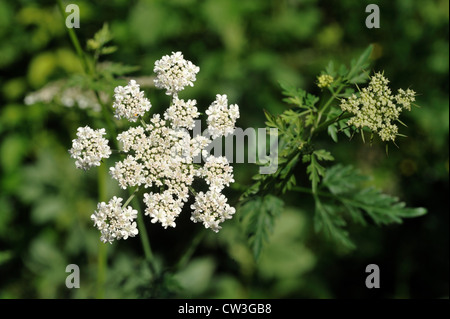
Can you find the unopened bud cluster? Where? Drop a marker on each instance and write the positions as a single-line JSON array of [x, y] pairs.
[[324, 80], [377, 108]]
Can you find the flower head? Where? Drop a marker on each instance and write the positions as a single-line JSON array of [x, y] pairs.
[[376, 107], [324, 80], [130, 102], [113, 221], [221, 117], [163, 208], [211, 209], [161, 154], [217, 172], [182, 113], [174, 73], [89, 148]]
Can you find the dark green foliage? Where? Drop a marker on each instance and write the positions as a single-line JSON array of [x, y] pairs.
[[344, 196], [347, 198], [258, 216]]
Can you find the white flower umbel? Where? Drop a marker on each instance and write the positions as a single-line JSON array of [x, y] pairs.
[[115, 222], [376, 107], [89, 148], [174, 73], [182, 113], [163, 208], [161, 155], [217, 172], [128, 172], [211, 209], [130, 102], [58, 92], [221, 117]]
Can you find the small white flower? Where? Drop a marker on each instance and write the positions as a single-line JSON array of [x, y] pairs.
[[129, 172], [405, 98], [217, 172], [174, 73], [211, 209], [221, 117], [89, 148], [198, 144], [130, 102], [182, 113], [163, 208], [115, 222]]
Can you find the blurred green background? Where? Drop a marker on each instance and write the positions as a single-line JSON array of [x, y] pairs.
[[243, 48]]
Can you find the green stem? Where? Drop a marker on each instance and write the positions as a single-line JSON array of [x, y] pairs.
[[75, 42], [87, 69], [310, 191], [102, 249], [184, 259], [107, 117], [102, 189], [327, 105], [192, 190], [143, 123], [131, 197], [325, 124], [145, 241]]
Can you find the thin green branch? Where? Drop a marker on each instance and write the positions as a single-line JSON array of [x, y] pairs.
[[75, 42], [143, 235], [102, 248], [327, 105], [325, 124], [184, 259]]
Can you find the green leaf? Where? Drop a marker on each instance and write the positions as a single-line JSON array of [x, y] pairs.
[[102, 37], [112, 69], [328, 220], [332, 131], [330, 69], [347, 184], [314, 169], [299, 97], [108, 50], [271, 120], [294, 96], [341, 179], [323, 155], [258, 217], [356, 72]]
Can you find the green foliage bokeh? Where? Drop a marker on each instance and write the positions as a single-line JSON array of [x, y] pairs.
[[244, 48]]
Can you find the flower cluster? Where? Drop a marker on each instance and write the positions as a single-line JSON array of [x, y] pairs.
[[174, 73], [221, 117], [182, 113], [217, 172], [89, 148], [59, 92], [130, 102], [376, 107], [163, 208], [115, 221], [324, 80], [161, 155], [211, 208]]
